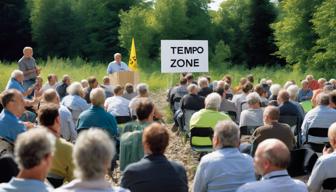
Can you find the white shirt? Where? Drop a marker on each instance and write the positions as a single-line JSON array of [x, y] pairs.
[[48, 86], [251, 117], [238, 100], [68, 128], [324, 168], [275, 181], [90, 186], [117, 106], [223, 170]]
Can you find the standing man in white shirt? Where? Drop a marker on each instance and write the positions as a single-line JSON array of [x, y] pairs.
[[117, 65], [271, 161], [324, 167], [226, 168]]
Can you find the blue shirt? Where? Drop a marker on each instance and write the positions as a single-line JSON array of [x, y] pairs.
[[97, 117], [24, 185], [14, 84], [115, 67], [305, 95], [10, 125], [223, 170], [275, 181], [321, 117]]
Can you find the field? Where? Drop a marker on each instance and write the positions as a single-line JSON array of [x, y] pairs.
[[79, 69]]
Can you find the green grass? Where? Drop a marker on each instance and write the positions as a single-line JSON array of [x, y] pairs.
[[79, 69]]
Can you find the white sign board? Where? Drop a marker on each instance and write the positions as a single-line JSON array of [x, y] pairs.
[[179, 56]]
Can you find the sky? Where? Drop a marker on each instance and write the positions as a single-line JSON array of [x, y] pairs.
[[215, 4]]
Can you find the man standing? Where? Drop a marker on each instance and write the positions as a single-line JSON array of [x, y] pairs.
[[117, 65], [271, 161], [226, 168], [28, 66]]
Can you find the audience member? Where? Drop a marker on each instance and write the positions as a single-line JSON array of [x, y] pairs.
[[62, 165], [154, 172], [305, 92], [16, 82], [274, 89], [93, 83], [253, 116], [316, 92], [62, 87], [287, 84], [33, 153], [288, 108], [74, 101], [190, 79], [239, 99], [92, 155], [176, 93], [68, 128], [250, 78], [192, 101], [321, 116], [131, 149], [28, 66], [332, 99], [312, 83], [272, 129], [13, 103], [84, 83], [109, 89], [129, 91], [117, 105], [324, 167], [203, 84], [293, 93], [271, 161], [226, 168], [262, 92], [239, 88], [226, 105], [51, 84]]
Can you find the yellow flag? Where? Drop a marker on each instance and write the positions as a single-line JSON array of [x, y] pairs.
[[132, 63]]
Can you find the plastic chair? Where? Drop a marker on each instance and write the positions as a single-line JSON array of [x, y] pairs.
[[198, 142], [316, 132], [294, 124], [329, 184], [301, 162], [233, 115], [247, 130]]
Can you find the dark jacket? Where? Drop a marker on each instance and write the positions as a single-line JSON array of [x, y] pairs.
[[155, 173], [290, 109], [192, 102]]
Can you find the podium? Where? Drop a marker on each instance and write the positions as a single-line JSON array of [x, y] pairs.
[[123, 77]]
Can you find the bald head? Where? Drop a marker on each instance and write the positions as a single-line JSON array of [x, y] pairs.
[[271, 155], [283, 96], [332, 135]]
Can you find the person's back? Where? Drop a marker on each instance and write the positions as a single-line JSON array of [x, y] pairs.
[[192, 102], [155, 173], [117, 106], [251, 117]]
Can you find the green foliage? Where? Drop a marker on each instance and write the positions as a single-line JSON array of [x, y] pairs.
[[222, 55], [294, 35], [324, 22]]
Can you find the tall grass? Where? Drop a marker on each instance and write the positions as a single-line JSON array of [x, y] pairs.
[[79, 69]]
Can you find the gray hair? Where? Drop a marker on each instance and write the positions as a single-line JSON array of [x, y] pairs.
[[93, 149], [191, 87], [16, 73], [142, 89], [323, 99], [287, 84], [213, 101], [32, 146], [117, 54], [75, 89], [305, 81], [253, 98], [202, 82], [293, 91], [275, 88], [97, 96], [228, 133]]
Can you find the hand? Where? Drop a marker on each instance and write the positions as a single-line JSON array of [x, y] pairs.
[[29, 125], [327, 151], [29, 90]]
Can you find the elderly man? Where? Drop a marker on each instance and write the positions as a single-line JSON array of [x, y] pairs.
[[117, 65], [62, 87], [204, 90], [75, 101], [16, 82], [288, 108], [96, 116], [10, 126], [312, 83], [155, 172], [91, 169], [305, 92], [28, 66], [209, 116], [272, 129], [293, 93], [177, 93], [62, 165], [68, 128], [192, 101], [33, 153], [51, 84], [324, 167], [226, 168], [271, 161], [117, 105], [253, 116], [316, 92], [322, 116]]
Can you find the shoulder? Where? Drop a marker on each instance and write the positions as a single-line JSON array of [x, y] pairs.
[[300, 184], [66, 145], [250, 187], [137, 166]]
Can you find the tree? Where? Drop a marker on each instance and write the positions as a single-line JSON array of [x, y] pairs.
[[260, 43], [14, 29], [324, 24], [222, 55], [294, 35]]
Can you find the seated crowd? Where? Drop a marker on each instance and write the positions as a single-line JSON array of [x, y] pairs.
[[67, 136]]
